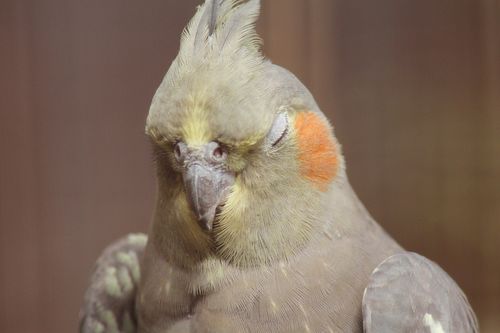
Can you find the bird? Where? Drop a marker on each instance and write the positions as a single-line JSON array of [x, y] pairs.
[[256, 227]]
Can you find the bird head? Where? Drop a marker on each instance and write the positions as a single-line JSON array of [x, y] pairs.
[[245, 158]]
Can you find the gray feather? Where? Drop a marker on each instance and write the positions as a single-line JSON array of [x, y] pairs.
[[241, 22], [409, 293], [207, 22], [226, 20], [213, 16], [109, 305]]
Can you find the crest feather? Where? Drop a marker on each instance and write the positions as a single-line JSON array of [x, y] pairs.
[[222, 25]]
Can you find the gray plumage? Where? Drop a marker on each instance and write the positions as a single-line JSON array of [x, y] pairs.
[[409, 293], [109, 301]]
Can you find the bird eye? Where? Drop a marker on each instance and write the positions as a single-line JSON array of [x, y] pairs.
[[218, 153], [177, 152], [179, 149], [278, 130]]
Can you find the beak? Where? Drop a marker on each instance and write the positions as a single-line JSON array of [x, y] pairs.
[[207, 188]]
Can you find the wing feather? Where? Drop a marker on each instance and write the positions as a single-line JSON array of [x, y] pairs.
[[409, 293], [109, 303]]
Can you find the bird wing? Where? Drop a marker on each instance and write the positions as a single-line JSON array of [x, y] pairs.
[[109, 303], [409, 293]]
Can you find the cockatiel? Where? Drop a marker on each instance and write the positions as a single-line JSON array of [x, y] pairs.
[[256, 228]]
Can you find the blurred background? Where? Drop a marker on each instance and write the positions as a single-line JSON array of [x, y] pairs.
[[411, 86]]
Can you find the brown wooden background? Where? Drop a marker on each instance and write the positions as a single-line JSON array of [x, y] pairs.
[[411, 86]]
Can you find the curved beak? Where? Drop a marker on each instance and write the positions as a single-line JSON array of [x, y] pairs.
[[207, 187]]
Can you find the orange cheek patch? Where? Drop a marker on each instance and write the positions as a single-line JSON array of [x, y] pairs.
[[317, 150]]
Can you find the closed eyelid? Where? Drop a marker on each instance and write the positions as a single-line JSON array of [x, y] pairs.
[[278, 130]]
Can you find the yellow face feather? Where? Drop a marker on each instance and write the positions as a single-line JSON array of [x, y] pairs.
[[196, 128], [235, 205]]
